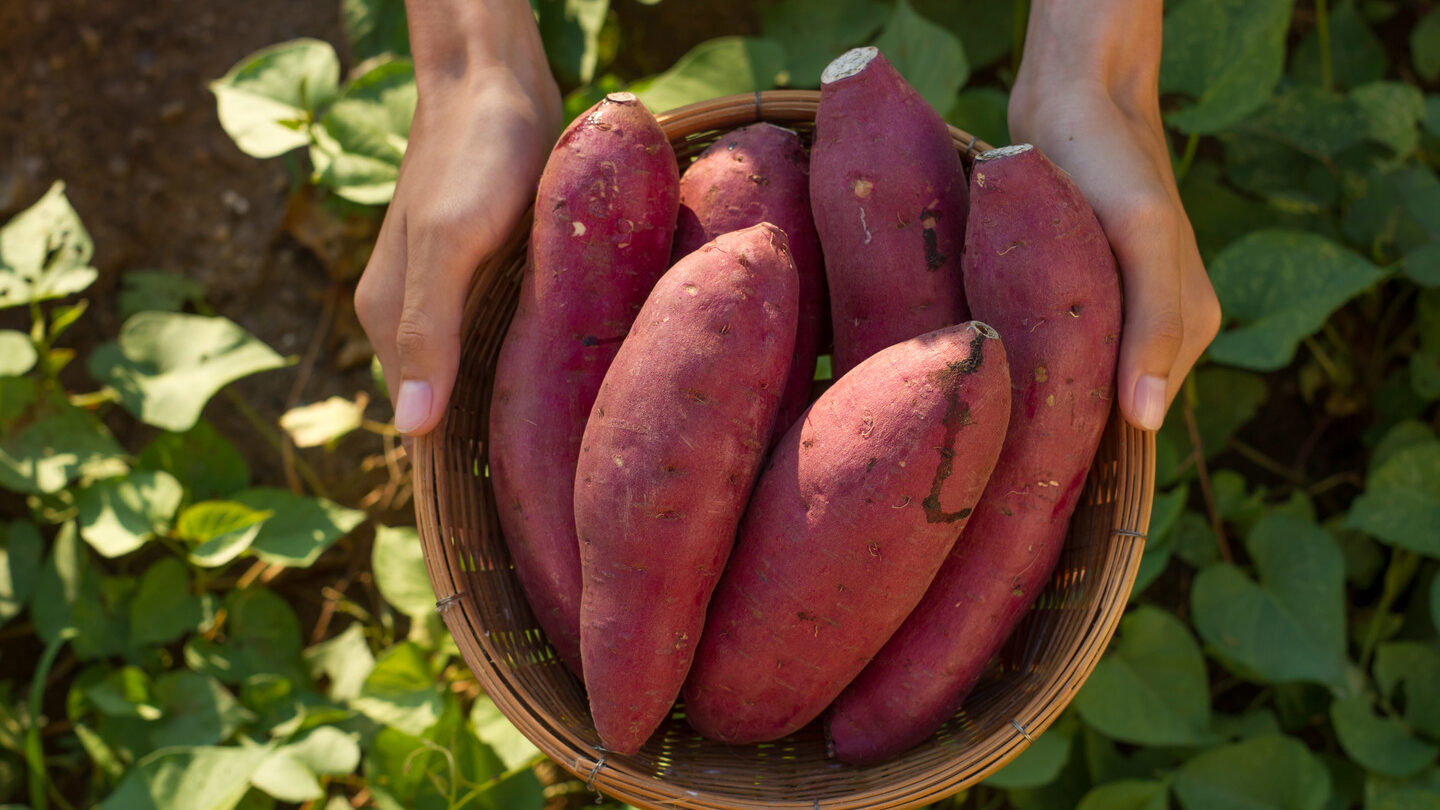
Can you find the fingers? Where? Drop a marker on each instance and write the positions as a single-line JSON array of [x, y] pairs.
[[380, 293]]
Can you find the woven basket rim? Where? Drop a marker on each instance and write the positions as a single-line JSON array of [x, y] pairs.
[[447, 511]]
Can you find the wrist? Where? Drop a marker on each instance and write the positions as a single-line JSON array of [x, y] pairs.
[[456, 41], [1101, 50]]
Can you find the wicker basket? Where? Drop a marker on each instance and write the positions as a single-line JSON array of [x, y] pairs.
[[1036, 675]]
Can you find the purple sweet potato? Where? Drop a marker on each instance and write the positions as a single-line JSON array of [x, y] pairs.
[[604, 223], [669, 457], [755, 174], [857, 508], [890, 206], [1038, 268]]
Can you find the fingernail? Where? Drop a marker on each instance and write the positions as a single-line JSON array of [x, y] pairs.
[[1150, 401], [412, 406]]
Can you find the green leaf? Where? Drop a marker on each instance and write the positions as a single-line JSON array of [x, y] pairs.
[[401, 691], [220, 530], [422, 771], [17, 353], [1290, 626], [157, 290], [376, 27], [199, 778], [930, 58], [198, 710], [1401, 501], [167, 365], [1260, 774], [814, 32], [1295, 185], [1425, 361], [285, 778], [1415, 793], [571, 32], [1158, 547], [1037, 765], [1309, 119], [1392, 113], [986, 28], [399, 565], [21, 550], [70, 592], [45, 252], [205, 462], [262, 637], [54, 450], [299, 529], [1227, 55], [495, 730], [165, 606], [266, 102], [1380, 744], [1395, 210], [1425, 46], [119, 515], [1151, 688], [1422, 265], [345, 659], [326, 750], [1357, 56], [1406, 672], [982, 112], [1195, 541], [321, 423], [124, 692], [716, 67], [1127, 794], [362, 138], [1277, 287]]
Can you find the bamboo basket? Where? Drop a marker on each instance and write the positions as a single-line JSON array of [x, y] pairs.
[[1032, 680]]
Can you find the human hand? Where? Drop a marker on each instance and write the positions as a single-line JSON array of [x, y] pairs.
[[1087, 95], [488, 113]]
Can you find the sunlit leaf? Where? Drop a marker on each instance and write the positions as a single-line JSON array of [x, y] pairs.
[[167, 365], [197, 778], [321, 423], [495, 730], [267, 100], [399, 566], [119, 515], [220, 530], [299, 528], [345, 659], [54, 450], [44, 252], [400, 691], [716, 67], [17, 353]]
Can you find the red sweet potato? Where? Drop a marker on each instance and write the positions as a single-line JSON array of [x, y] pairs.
[[755, 174], [669, 457], [604, 222], [857, 508], [1038, 268], [890, 206]]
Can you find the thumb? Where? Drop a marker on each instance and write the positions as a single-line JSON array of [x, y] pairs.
[[1146, 241], [427, 337]]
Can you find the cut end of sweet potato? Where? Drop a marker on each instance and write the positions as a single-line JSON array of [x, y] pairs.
[[621, 98], [849, 63], [1005, 151], [985, 329]]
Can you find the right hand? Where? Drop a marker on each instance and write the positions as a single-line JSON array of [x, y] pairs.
[[479, 140]]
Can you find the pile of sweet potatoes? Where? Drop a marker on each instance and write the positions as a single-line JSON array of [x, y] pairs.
[[690, 521]]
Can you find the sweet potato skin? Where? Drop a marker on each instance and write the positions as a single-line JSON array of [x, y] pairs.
[[604, 221], [890, 202], [753, 174], [1039, 268], [670, 455], [857, 507]]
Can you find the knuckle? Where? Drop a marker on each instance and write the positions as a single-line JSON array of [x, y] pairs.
[[414, 335], [1164, 329]]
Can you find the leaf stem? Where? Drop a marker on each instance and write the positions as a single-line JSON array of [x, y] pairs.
[[1398, 575], [34, 751], [1182, 168], [1322, 33], [1203, 473]]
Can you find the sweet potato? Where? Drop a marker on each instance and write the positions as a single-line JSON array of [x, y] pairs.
[[1038, 268], [755, 174], [857, 507], [604, 222], [670, 454], [890, 206]]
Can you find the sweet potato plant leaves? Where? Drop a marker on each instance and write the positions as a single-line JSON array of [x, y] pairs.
[[194, 778], [166, 606], [513, 748], [21, 549], [119, 515], [1310, 119], [1276, 287], [813, 32], [1401, 501], [1039, 763], [1406, 673], [362, 137], [206, 463], [267, 102], [1227, 55], [400, 574], [376, 27], [198, 710], [1397, 210], [1414, 793], [45, 252], [54, 450], [1290, 624], [1380, 744], [346, 660], [400, 690], [1425, 362], [986, 28], [220, 530], [299, 528], [571, 31], [1357, 56], [1127, 794], [72, 592], [1392, 113], [1268, 772], [166, 365], [262, 636], [17, 353], [1425, 46], [1151, 688], [930, 58], [716, 67]]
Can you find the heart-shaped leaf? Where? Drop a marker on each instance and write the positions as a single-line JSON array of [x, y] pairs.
[[262, 637], [716, 67], [814, 32], [44, 252], [1151, 688], [1288, 626], [221, 530], [119, 515], [930, 58], [1276, 287], [495, 730], [1227, 55], [1264, 773], [1401, 501], [1037, 765], [266, 102], [167, 365]]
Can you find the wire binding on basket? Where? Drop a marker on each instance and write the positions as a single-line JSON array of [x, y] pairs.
[[1129, 533], [445, 603], [595, 771], [1023, 732]]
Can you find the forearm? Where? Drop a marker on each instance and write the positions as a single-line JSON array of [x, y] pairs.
[[1107, 47], [466, 39]]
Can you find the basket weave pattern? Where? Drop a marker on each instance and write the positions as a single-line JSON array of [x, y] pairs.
[[1033, 679]]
